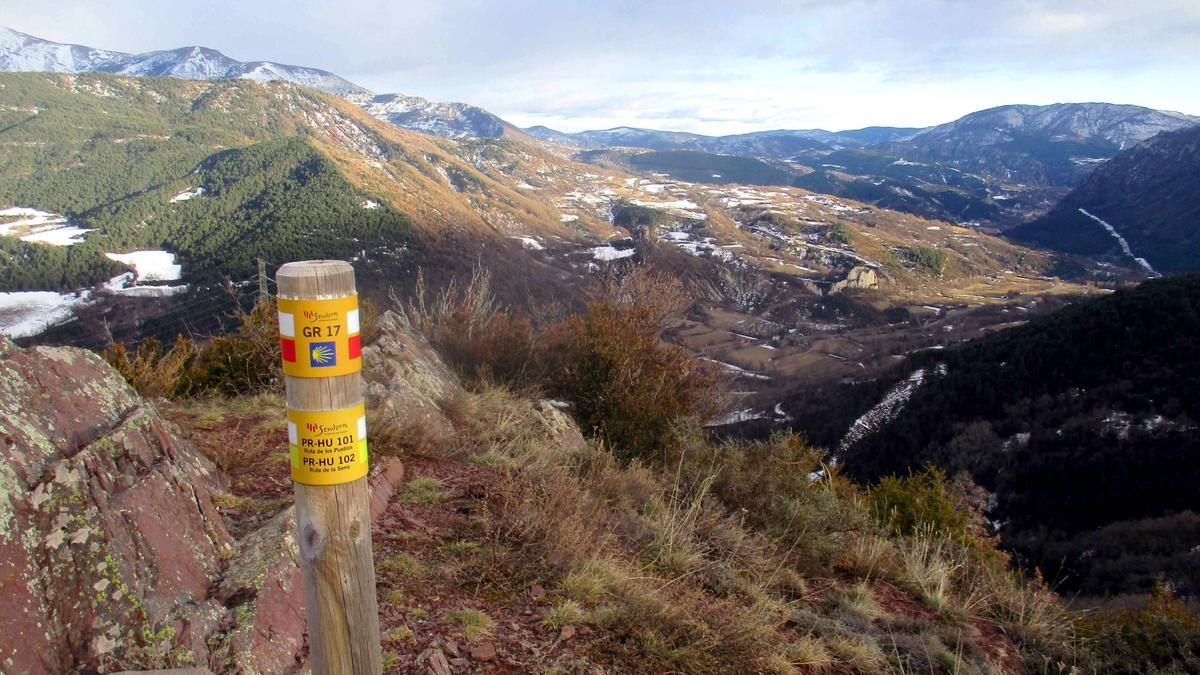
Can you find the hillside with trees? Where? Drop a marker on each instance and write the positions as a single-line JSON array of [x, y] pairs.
[[1147, 194], [221, 172], [1083, 424]]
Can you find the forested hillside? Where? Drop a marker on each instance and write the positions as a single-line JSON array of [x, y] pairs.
[[119, 162], [1084, 426], [1150, 196], [221, 172]]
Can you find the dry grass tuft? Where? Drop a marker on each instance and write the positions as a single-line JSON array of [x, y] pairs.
[[473, 624], [733, 557], [424, 490]]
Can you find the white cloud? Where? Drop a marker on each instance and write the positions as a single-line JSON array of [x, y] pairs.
[[716, 67]]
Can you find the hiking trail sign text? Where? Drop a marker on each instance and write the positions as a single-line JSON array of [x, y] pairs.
[[320, 338]]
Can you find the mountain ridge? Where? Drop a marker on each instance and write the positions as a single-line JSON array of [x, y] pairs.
[[1146, 194], [1093, 428], [20, 52], [995, 168]]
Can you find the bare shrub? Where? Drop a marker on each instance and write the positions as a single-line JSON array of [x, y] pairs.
[[153, 371], [481, 340]]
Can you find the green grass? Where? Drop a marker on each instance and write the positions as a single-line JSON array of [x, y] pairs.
[[424, 490], [403, 565], [566, 613], [472, 623]]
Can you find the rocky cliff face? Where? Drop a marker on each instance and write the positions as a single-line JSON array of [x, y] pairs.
[[109, 539]]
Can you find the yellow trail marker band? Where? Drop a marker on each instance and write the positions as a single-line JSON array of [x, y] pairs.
[[328, 447], [320, 338]]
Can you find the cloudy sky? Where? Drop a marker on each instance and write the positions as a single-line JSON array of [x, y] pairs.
[[711, 67]]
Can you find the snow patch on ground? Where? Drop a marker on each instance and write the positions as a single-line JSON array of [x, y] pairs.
[[682, 207], [40, 227], [27, 219], [740, 371], [150, 265], [530, 243], [187, 194], [568, 218], [58, 236], [609, 253], [28, 313], [736, 416], [886, 409]]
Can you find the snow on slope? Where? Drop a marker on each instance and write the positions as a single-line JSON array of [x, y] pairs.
[[40, 226], [1145, 265], [150, 265], [24, 53], [452, 120], [28, 313], [65, 235], [885, 410]]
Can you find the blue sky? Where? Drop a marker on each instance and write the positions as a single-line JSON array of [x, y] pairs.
[[708, 67]]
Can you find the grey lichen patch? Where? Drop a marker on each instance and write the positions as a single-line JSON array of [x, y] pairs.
[[81, 454], [103, 644], [11, 489], [269, 549]]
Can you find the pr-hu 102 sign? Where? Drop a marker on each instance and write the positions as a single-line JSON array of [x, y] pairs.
[[328, 447], [319, 338]]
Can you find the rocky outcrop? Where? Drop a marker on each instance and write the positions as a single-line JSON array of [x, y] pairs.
[[857, 277], [112, 554], [108, 534], [404, 380], [263, 630]]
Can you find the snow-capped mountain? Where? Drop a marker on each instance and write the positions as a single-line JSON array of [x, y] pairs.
[[20, 52], [453, 120], [1144, 203], [1052, 145], [1120, 125], [202, 63]]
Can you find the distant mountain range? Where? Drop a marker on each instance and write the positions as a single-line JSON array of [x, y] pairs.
[[24, 53], [997, 166], [778, 144], [1143, 203], [1048, 144], [1082, 132], [20, 52]]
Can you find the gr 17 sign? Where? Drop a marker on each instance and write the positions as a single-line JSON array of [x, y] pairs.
[[320, 338]]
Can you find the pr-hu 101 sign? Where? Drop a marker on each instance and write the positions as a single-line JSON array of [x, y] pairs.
[[319, 338], [328, 447]]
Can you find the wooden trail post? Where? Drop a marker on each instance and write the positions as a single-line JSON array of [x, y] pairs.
[[320, 348]]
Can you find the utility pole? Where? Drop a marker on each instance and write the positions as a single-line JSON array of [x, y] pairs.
[[263, 291]]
